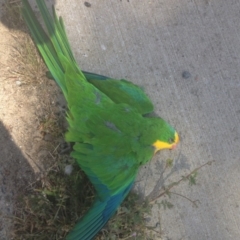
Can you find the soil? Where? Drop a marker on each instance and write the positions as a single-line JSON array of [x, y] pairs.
[[30, 108]]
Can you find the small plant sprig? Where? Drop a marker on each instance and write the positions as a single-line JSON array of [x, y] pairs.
[[130, 220], [190, 177]]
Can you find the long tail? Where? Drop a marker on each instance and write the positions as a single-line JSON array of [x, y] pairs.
[[98, 215], [54, 46]]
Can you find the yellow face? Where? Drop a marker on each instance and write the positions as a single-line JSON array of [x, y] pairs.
[[159, 145]]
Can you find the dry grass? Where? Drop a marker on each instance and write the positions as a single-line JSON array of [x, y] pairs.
[[27, 66]]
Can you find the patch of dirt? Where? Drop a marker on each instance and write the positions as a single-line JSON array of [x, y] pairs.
[[30, 108]]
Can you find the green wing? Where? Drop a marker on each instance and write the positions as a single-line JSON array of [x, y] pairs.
[[121, 91]]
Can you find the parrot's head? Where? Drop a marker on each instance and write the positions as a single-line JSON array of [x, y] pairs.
[[164, 135]]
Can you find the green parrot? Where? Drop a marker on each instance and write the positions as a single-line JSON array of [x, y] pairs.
[[107, 120]]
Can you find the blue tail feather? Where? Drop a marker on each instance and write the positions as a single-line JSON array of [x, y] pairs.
[[97, 216]]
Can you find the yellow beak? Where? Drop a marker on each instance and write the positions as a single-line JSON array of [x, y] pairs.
[[159, 145]]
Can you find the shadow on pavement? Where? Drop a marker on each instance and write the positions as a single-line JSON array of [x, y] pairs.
[[10, 12], [15, 175]]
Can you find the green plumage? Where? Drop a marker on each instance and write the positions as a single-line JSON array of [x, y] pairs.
[[106, 122], [122, 91]]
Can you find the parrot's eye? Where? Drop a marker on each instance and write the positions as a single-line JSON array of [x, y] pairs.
[[171, 140]]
